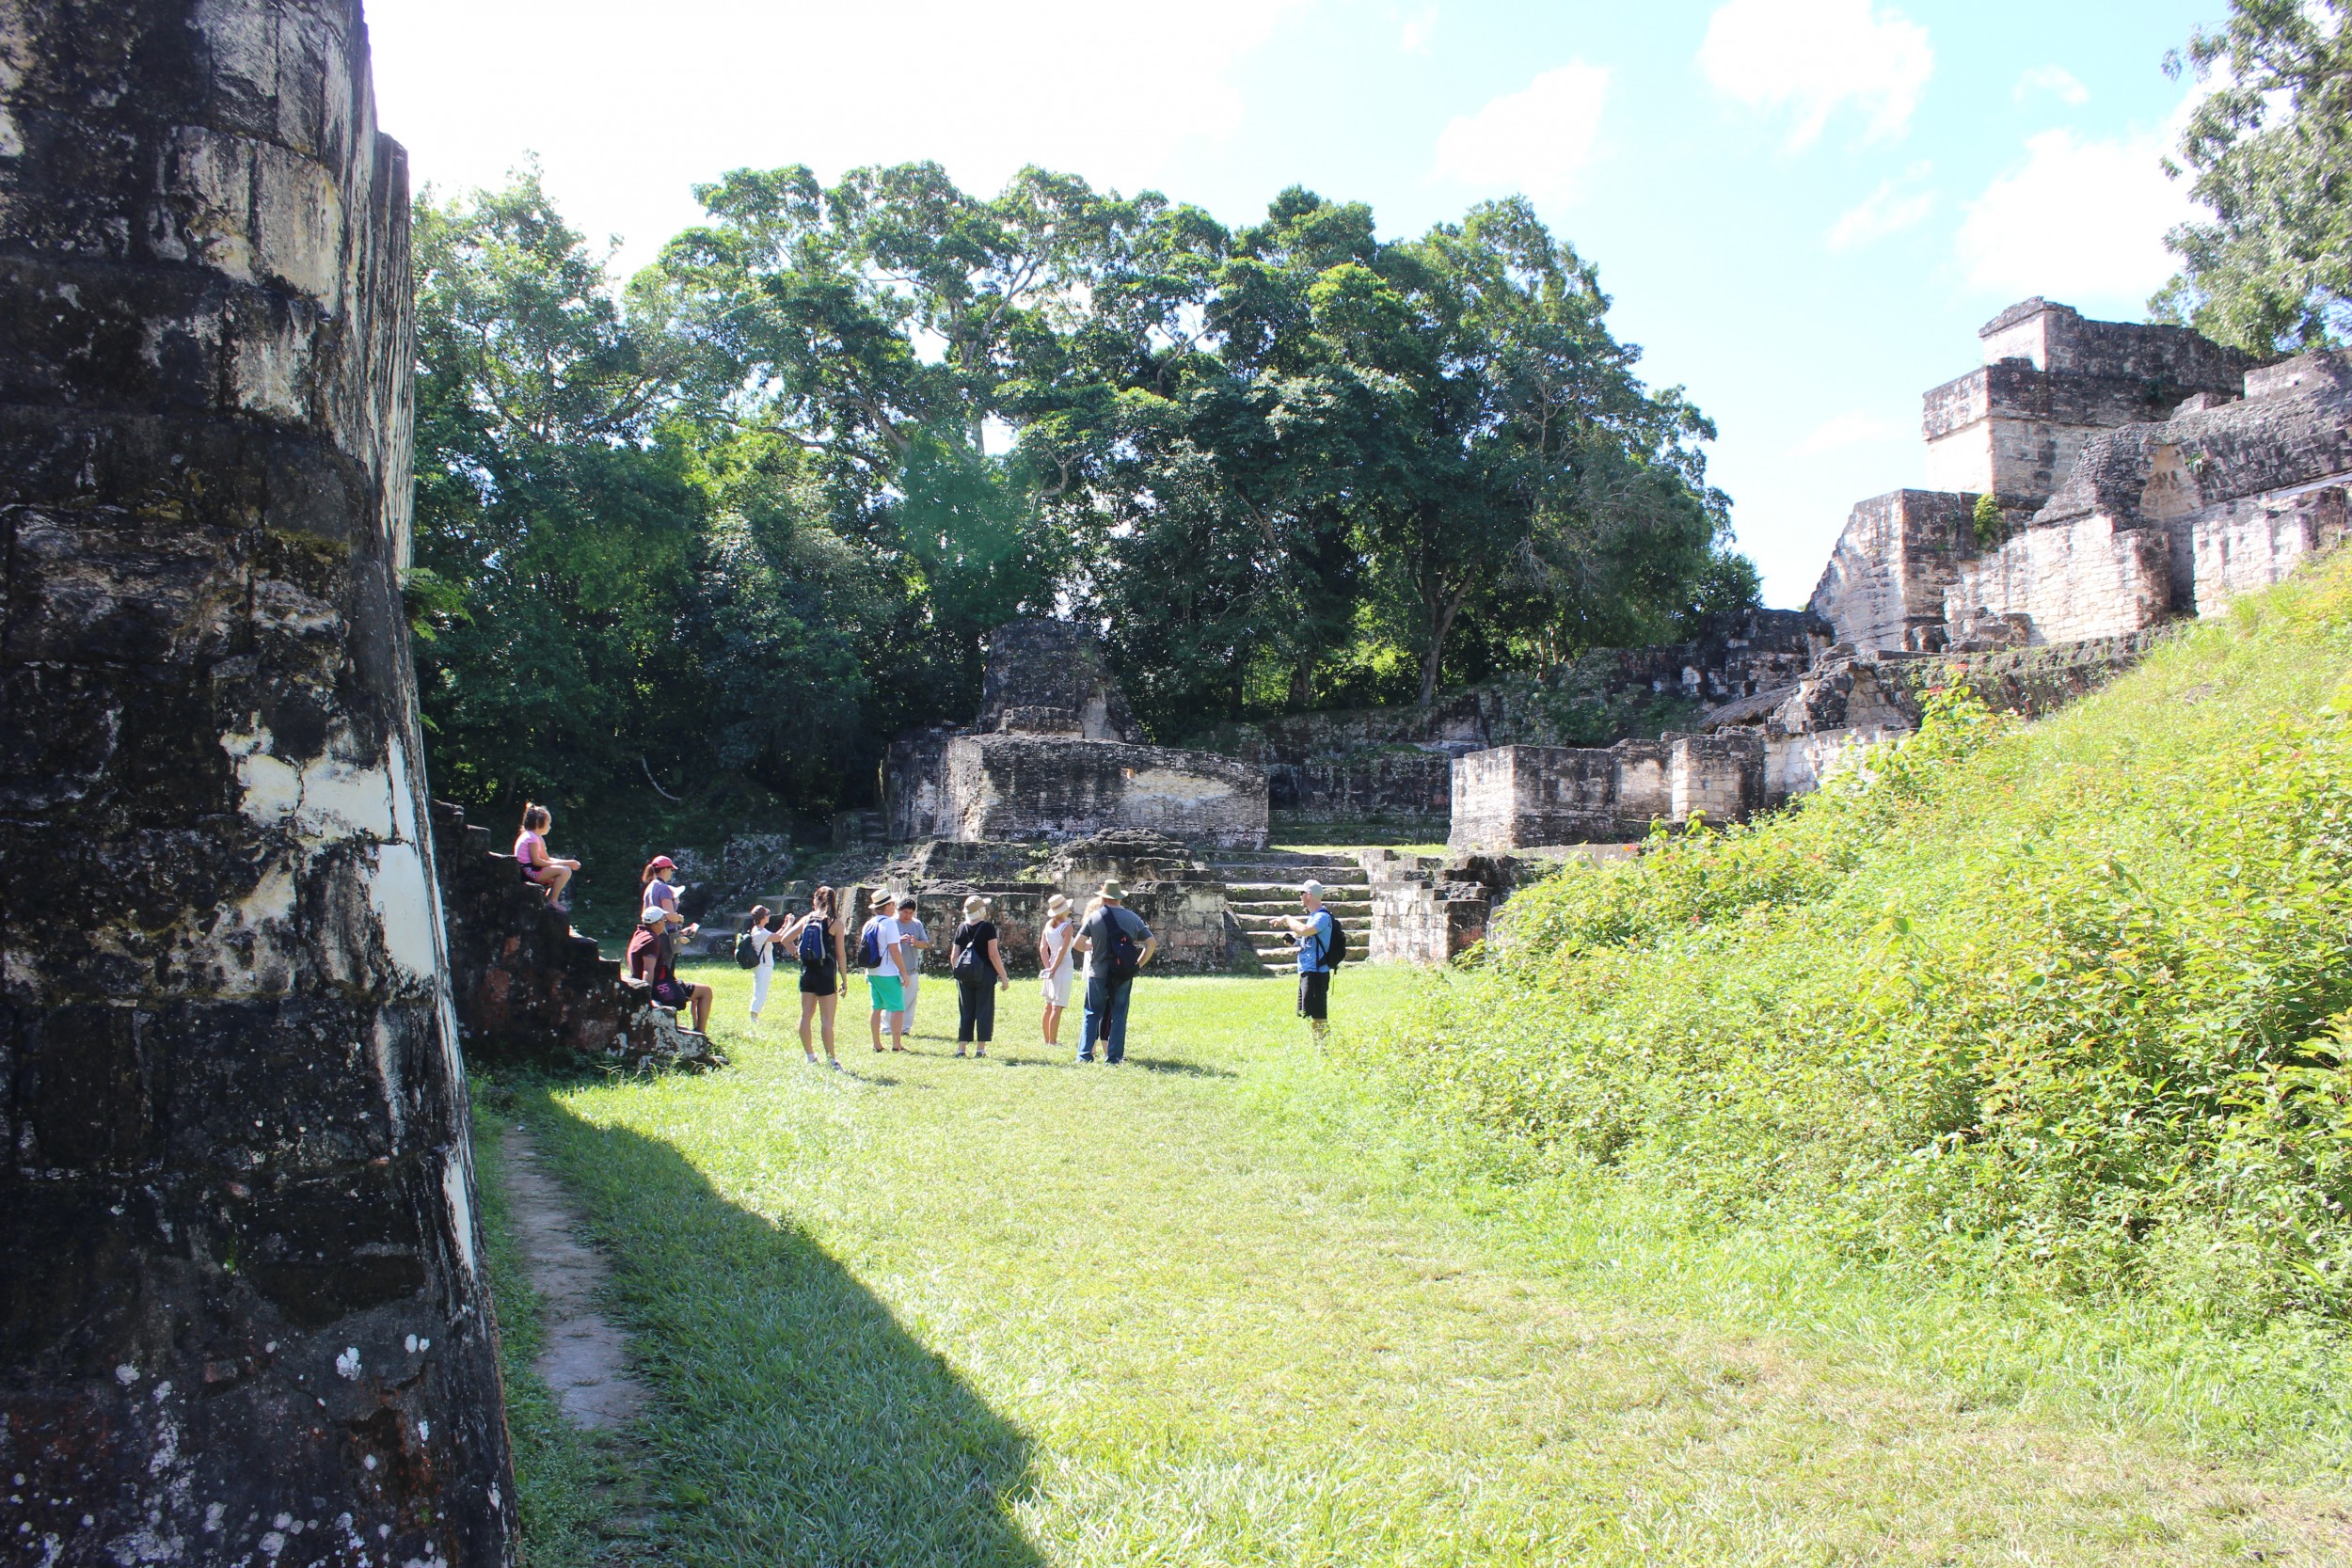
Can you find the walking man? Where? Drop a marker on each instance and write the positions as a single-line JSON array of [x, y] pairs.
[[1120, 943], [881, 947], [1316, 932]]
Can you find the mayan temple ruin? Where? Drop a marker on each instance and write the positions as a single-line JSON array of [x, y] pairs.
[[240, 1275]]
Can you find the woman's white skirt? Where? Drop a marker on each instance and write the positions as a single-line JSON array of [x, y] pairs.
[[1058, 987]]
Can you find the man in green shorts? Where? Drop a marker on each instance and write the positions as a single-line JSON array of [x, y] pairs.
[[884, 942]]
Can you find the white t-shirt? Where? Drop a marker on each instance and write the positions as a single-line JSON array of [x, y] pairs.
[[764, 943], [888, 934]]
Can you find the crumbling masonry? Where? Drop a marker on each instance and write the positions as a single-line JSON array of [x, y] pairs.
[[242, 1311]]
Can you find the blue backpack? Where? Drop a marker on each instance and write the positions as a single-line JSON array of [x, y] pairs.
[[869, 945], [812, 943]]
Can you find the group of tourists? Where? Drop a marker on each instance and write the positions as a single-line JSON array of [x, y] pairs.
[[1102, 949], [1097, 952]]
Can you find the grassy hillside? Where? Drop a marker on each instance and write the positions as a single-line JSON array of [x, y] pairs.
[[2054, 1009]]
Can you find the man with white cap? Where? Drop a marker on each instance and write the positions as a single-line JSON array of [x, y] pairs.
[[1317, 933], [1120, 943], [882, 948]]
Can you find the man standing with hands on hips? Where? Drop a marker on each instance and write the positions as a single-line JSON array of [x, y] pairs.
[[1318, 935]]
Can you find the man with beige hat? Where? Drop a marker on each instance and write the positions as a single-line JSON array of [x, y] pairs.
[[1121, 944]]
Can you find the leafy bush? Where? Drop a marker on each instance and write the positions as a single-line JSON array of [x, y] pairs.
[[2058, 1005]]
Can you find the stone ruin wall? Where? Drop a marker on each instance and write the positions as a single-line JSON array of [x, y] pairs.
[[241, 1290], [1023, 786], [1522, 796], [2179, 516]]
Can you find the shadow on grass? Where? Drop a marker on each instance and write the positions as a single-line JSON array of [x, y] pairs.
[[1180, 1069], [796, 1421]]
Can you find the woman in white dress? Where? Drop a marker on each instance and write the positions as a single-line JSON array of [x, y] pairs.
[[1055, 962]]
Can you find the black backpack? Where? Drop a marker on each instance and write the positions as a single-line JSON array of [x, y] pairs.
[[746, 950], [1335, 954], [1117, 946]]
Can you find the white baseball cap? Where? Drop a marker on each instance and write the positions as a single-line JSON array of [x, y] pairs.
[[1311, 888]]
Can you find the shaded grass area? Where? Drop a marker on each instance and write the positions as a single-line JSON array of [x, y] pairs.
[[580, 1494], [1226, 1309]]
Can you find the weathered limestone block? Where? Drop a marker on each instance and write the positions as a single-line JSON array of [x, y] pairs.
[[1047, 677], [2069, 581], [1886, 582], [242, 1311], [527, 988], [2242, 546], [1522, 796], [915, 804], [2050, 382], [1013, 786], [2172, 517]]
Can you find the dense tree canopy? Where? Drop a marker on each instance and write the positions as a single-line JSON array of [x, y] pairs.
[[761, 518], [2270, 148]]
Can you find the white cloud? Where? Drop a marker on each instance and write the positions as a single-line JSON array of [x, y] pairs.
[[2080, 220], [1537, 141], [1888, 210], [1811, 57], [2052, 79], [1858, 428]]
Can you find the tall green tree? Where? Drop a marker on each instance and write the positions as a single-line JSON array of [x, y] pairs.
[[2270, 153], [555, 515]]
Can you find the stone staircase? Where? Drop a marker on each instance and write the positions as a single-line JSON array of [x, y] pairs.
[[1262, 886]]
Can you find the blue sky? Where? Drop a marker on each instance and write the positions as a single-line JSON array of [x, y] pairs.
[[1803, 209]]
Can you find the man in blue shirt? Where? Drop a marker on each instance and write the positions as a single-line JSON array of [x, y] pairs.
[[1314, 933], [1118, 943]]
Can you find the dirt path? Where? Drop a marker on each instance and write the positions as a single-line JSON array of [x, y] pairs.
[[586, 1358]]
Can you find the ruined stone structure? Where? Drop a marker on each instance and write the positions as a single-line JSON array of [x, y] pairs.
[[2140, 472], [242, 1317], [1431, 909], [1056, 756], [2050, 381], [1520, 797], [528, 988]]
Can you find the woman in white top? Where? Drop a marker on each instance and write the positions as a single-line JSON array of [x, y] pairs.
[[1055, 962]]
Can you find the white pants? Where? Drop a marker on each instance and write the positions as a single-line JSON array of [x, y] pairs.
[[914, 984], [760, 978]]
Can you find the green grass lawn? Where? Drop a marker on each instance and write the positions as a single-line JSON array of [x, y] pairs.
[[1210, 1308]]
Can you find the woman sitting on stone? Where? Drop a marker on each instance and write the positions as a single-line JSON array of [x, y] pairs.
[[530, 853], [658, 918]]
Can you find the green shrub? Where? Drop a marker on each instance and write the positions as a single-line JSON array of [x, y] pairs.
[[2057, 1005]]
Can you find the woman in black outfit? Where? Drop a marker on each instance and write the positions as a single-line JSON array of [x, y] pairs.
[[972, 956], [820, 975]]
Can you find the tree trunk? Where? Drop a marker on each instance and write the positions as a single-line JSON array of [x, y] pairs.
[[1441, 621]]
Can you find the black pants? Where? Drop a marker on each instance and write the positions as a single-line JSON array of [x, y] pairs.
[[975, 1004]]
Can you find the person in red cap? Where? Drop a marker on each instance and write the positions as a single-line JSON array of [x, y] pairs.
[[658, 912]]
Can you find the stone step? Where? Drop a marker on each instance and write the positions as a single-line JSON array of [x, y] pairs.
[[1285, 890], [1292, 906]]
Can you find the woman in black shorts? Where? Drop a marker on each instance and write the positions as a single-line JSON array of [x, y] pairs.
[[816, 939]]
